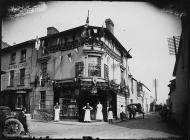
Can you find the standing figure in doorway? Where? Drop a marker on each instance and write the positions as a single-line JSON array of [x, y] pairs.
[[110, 114], [57, 111], [99, 115], [87, 109]]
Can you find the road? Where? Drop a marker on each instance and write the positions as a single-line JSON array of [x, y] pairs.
[[150, 127]]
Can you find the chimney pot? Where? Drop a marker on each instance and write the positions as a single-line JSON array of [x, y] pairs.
[[51, 31], [110, 25]]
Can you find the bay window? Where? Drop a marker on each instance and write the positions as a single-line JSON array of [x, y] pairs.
[[94, 66]]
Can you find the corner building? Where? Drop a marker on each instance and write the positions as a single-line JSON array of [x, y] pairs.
[[76, 66]]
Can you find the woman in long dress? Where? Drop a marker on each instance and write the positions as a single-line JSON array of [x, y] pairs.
[[99, 115], [110, 114], [87, 109], [57, 111]]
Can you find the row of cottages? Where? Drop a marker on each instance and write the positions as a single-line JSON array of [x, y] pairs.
[[179, 95], [73, 67], [139, 93]]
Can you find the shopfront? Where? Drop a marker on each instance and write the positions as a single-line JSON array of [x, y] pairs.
[[72, 98], [15, 99]]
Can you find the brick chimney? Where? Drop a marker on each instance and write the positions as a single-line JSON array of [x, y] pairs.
[[51, 31], [110, 25]]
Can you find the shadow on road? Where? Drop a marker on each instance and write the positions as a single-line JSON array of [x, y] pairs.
[[151, 122]]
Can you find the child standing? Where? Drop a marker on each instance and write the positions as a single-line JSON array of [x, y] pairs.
[[110, 114]]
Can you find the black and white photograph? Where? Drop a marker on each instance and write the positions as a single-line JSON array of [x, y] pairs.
[[95, 70]]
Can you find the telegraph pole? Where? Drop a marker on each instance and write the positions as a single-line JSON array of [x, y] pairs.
[[155, 100], [155, 82]]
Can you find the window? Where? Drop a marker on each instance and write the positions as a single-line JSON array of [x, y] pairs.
[[122, 77], [13, 58], [94, 66], [43, 99], [23, 56], [44, 69], [106, 72], [22, 76], [132, 88], [79, 66], [12, 78]]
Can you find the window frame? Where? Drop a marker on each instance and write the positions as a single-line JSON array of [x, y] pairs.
[[98, 69], [42, 99], [23, 76], [23, 52], [11, 78], [11, 58]]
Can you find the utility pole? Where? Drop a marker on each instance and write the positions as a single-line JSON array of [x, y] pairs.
[[155, 86], [155, 82]]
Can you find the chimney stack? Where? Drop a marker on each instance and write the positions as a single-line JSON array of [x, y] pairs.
[[51, 31], [110, 25]]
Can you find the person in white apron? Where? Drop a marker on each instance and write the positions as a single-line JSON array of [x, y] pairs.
[[110, 115], [99, 115], [57, 111], [87, 109]]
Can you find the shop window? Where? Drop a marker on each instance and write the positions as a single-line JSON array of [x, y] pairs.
[[69, 107], [22, 76], [23, 56], [79, 66], [13, 58], [94, 66], [11, 80], [43, 99]]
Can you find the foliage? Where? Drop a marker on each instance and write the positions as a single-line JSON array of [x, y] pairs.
[[45, 114]]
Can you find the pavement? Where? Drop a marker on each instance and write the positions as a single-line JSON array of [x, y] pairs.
[[150, 127], [76, 122]]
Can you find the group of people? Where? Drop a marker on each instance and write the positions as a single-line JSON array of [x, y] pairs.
[[87, 117], [99, 115]]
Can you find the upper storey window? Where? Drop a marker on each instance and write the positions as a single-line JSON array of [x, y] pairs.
[[13, 58], [23, 56], [94, 66]]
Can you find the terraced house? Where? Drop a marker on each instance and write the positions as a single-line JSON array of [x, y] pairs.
[[76, 66]]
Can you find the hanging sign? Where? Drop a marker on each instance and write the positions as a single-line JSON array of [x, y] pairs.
[[94, 90]]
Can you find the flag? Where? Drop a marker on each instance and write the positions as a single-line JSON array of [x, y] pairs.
[[40, 79], [37, 43], [87, 20], [43, 48], [43, 43], [58, 41], [85, 31], [61, 58], [77, 50], [69, 56]]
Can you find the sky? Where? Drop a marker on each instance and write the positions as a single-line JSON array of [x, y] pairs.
[[138, 26]]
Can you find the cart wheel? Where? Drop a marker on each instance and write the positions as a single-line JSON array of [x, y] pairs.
[[12, 128]]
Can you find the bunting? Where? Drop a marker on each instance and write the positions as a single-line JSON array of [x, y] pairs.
[[87, 20], [85, 32], [37, 43], [40, 80], [61, 58], [76, 50], [69, 56]]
